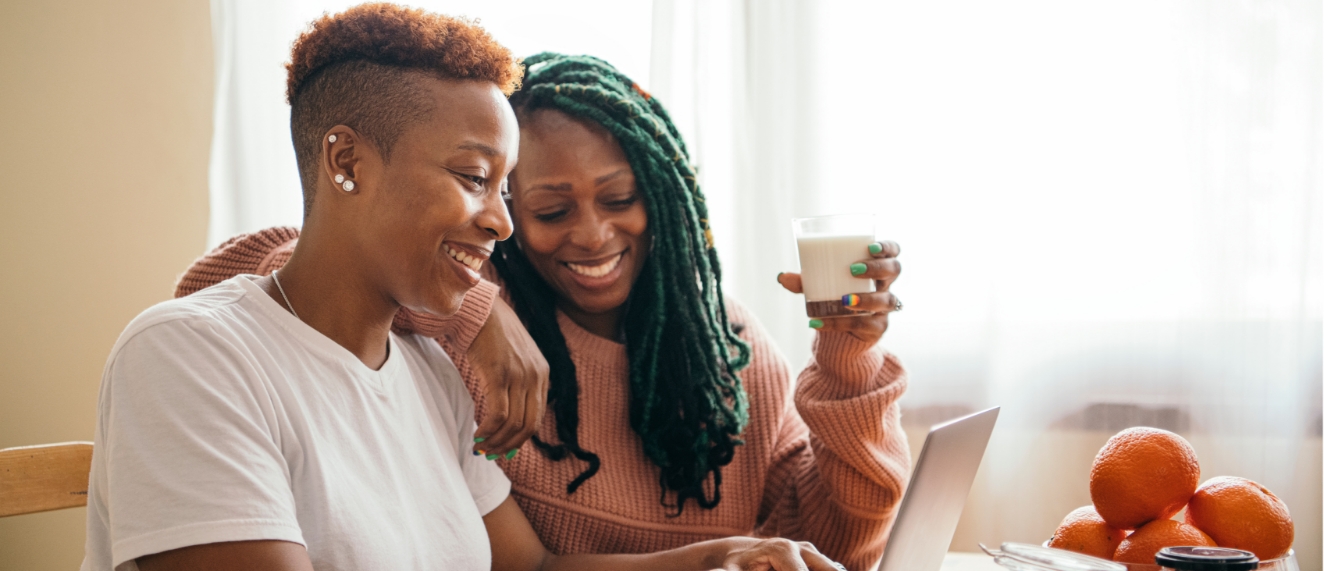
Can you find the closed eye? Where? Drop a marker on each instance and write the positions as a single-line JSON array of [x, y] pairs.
[[550, 216], [623, 203]]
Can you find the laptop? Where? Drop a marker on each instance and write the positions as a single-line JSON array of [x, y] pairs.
[[932, 504]]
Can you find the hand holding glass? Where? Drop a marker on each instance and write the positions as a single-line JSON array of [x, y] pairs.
[[828, 246]]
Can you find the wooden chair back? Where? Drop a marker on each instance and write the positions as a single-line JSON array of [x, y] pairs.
[[43, 478]]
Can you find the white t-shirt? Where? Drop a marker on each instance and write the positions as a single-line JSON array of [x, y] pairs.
[[222, 417]]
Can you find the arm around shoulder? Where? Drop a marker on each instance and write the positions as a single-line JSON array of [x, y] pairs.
[[455, 332]]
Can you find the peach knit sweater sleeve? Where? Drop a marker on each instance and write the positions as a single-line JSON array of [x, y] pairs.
[[841, 461]]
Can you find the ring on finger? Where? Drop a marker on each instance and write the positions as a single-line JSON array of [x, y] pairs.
[[898, 306], [839, 566]]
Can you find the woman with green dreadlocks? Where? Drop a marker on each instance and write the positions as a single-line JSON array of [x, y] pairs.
[[674, 417]]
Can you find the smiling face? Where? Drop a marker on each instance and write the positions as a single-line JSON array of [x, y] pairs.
[[582, 223], [428, 219]]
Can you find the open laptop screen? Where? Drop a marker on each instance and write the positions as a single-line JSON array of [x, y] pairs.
[[937, 492]]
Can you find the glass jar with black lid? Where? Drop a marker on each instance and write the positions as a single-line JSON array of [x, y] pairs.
[[1206, 559]]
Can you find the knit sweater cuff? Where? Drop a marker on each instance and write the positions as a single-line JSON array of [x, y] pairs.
[[847, 390], [854, 366], [855, 431], [456, 331]]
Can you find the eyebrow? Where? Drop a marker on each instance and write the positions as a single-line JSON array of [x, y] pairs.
[[563, 187], [567, 187], [607, 177], [476, 146]]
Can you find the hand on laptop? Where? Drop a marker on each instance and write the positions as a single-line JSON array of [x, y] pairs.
[[749, 554]]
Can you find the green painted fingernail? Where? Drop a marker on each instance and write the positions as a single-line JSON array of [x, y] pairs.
[[512, 453], [858, 268], [478, 439], [491, 456], [816, 323], [779, 276], [875, 248]]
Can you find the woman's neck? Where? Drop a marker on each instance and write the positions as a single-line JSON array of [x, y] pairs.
[[327, 296], [606, 325]]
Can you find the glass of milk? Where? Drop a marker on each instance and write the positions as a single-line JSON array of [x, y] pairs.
[[828, 245]]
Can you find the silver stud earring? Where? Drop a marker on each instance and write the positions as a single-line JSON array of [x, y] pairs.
[[332, 138], [348, 186], [340, 178]]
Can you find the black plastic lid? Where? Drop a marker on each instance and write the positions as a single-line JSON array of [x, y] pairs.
[[1206, 559]]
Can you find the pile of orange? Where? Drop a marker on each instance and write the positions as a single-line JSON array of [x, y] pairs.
[[1144, 476]]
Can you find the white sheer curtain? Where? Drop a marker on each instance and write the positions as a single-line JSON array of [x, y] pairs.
[[1110, 212], [1110, 216], [732, 77], [254, 181]]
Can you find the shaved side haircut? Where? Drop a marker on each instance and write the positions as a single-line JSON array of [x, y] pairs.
[[366, 68]]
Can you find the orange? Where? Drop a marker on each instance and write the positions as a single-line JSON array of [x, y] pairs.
[[1143, 474], [1083, 531], [1242, 514], [1145, 543]]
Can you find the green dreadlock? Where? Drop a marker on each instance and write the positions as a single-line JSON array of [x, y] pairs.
[[686, 401]]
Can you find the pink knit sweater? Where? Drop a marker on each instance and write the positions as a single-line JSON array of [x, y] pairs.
[[824, 459]]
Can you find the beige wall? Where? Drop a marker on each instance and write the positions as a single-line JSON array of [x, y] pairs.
[[105, 125]]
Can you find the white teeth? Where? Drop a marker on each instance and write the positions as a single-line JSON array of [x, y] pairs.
[[463, 258], [599, 270]]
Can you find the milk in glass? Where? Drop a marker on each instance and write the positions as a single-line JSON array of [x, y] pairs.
[[828, 246]]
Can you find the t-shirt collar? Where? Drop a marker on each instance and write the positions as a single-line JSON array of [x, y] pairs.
[[314, 339]]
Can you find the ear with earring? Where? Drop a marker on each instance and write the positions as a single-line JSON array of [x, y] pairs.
[[348, 185]]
